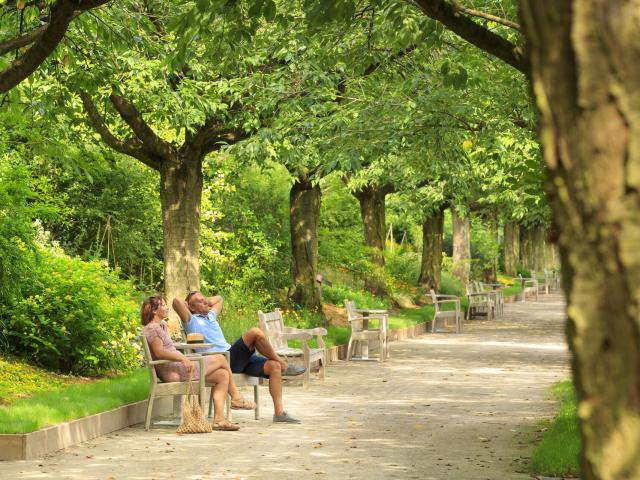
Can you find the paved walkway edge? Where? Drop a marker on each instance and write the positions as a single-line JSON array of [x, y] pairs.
[[27, 446]]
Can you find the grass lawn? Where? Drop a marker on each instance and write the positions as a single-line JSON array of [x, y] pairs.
[[557, 454], [70, 401]]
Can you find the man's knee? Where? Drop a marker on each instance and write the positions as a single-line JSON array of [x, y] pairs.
[[251, 335], [273, 369]]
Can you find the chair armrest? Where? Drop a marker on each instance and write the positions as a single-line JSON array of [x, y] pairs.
[[456, 301], [312, 331], [292, 336], [366, 310], [477, 294], [368, 317], [442, 295], [192, 357]]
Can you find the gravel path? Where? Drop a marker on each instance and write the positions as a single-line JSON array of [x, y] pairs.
[[445, 406]]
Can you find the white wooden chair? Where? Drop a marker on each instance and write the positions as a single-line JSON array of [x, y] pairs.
[[479, 302], [529, 287], [158, 388], [273, 327], [438, 301], [362, 333], [494, 291], [240, 379]]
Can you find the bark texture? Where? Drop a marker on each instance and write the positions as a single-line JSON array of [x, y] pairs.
[[431, 266], [511, 248], [180, 195], [585, 75], [304, 217], [372, 210], [461, 246]]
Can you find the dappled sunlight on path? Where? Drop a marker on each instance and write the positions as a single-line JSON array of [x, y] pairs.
[[445, 406]]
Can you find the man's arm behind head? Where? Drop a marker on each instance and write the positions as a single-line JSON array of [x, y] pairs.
[[215, 304], [182, 309]]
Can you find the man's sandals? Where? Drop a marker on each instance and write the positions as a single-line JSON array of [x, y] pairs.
[[225, 425], [243, 404]]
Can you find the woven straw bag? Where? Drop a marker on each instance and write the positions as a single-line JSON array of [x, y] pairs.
[[193, 420]]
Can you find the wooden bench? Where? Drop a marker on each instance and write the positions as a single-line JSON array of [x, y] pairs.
[[529, 287], [439, 300], [362, 333], [273, 327], [479, 302]]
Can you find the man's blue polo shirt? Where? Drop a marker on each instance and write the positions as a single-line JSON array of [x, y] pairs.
[[210, 328]]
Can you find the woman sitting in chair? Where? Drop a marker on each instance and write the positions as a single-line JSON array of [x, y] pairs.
[[153, 313]]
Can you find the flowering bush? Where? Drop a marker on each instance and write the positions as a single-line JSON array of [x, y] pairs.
[[74, 316]]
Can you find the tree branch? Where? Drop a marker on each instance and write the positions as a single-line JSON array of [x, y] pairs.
[[483, 38], [152, 142], [22, 41], [228, 136], [62, 12], [132, 147], [488, 16]]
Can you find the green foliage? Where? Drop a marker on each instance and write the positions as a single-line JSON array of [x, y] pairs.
[[245, 241], [450, 285], [19, 379], [73, 401], [338, 293], [16, 231], [484, 249], [74, 316], [559, 451], [403, 264]]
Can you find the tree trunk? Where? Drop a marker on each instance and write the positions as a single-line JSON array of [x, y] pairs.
[[526, 248], [491, 274], [372, 210], [304, 217], [511, 248], [584, 67], [461, 246], [539, 262], [431, 267], [180, 197]]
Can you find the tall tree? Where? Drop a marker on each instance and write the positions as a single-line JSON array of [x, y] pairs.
[[583, 58]]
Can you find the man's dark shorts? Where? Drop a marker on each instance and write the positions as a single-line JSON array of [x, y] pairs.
[[246, 361]]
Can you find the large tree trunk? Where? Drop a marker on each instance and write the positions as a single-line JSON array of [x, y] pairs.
[[304, 217], [491, 274], [372, 210], [461, 246], [511, 248], [584, 68], [431, 267], [526, 247], [180, 197]]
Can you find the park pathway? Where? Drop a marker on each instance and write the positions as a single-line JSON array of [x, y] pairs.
[[445, 406]]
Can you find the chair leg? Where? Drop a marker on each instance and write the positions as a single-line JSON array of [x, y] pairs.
[[210, 403], [147, 420], [256, 399], [350, 349]]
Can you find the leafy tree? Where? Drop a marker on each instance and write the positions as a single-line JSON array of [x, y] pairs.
[[40, 26]]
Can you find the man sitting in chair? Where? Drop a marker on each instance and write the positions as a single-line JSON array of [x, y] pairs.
[[200, 315]]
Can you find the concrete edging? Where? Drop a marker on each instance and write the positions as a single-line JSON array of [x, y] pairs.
[[27, 446]]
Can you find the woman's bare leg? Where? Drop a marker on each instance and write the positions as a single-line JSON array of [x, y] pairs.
[[221, 379]]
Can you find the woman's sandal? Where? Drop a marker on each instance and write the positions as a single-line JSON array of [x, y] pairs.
[[243, 404], [225, 426]]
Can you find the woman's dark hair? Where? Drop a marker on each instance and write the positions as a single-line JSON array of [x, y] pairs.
[[149, 307]]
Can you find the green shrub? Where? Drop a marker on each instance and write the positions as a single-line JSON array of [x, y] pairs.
[[337, 293], [450, 285], [75, 317], [404, 264]]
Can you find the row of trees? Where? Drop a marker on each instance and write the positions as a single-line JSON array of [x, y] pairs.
[[168, 84]]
